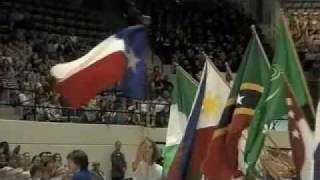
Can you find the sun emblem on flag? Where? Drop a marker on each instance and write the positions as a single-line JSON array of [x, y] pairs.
[[211, 104]]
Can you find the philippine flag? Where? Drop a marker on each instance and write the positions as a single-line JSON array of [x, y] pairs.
[[119, 58]]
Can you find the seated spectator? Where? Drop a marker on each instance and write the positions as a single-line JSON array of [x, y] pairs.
[[161, 105], [26, 99], [167, 85], [53, 111], [90, 111]]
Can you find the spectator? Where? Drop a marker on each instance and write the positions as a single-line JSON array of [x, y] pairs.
[[58, 159], [16, 151], [78, 165], [27, 159], [45, 156], [167, 85], [36, 160], [144, 166], [49, 168], [36, 172], [3, 160], [119, 164], [96, 171], [5, 150], [91, 113]]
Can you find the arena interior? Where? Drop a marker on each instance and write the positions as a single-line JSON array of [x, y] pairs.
[[43, 137]]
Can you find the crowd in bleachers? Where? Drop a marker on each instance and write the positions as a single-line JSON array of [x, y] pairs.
[[28, 52], [218, 28], [17, 165], [305, 28], [35, 35]]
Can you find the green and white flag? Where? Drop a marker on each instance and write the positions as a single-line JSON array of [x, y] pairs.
[[185, 88]]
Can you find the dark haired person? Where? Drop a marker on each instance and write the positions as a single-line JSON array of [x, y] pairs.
[[5, 149], [145, 167], [49, 168], [78, 164], [58, 159], [119, 164], [36, 160], [45, 156], [36, 172]]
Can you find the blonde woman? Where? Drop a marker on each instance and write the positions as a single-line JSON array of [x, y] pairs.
[[145, 167]]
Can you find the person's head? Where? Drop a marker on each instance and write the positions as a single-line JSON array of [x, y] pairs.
[[149, 150], [26, 156], [45, 156], [36, 172], [36, 160], [77, 160], [96, 166], [118, 145], [50, 165], [4, 148], [58, 159]]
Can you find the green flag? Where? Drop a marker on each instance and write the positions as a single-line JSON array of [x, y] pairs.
[[285, 66], [185, 89], [286, 59]]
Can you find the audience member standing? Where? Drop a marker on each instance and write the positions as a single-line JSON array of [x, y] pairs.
[[78, 164], [119, 164], [145, 167]]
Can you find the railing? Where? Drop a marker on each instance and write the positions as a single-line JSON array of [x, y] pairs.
[[123, 110]]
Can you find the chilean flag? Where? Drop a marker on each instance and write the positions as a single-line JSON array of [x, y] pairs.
[[119, 58]]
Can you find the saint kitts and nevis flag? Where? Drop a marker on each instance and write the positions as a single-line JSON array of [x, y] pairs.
[[119, 58], [185, 88], [285, 66], [221, 162], [206, 110]]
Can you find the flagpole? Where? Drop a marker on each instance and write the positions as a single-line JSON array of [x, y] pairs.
[[253, 28]]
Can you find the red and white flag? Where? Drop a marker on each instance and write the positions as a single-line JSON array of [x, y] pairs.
[[120, 57], [302, 139]]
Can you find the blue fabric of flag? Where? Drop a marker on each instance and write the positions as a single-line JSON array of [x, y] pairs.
[[134, 82]]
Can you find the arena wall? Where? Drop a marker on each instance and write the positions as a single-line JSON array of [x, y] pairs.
[[96, 140]]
